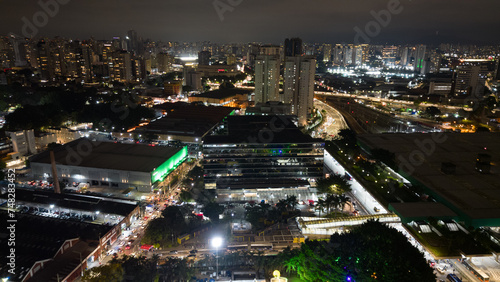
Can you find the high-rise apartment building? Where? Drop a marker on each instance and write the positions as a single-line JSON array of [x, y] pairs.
[[267, 78], [299, 85], [420, 59], [121, 69], [192, 79], [471, 78], [293, 47], [164, 62], [204, 58], [327, 53], [270, 50]]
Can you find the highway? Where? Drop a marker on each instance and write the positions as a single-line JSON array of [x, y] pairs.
[[333, 120]]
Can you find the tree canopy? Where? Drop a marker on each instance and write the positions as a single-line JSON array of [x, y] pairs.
[[334, 184], [370, 251]]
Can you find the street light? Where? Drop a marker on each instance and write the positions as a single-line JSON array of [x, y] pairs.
[[217, 242]]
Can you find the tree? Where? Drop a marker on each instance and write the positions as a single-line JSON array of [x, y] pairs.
[[343, 200], [432, 111], [212, 211], [370, 248], [335, 184], [112, 272], [348, 138], [384, 156], [321, 205], [291, 202], [185, 196], [175, 269], [281, 205]]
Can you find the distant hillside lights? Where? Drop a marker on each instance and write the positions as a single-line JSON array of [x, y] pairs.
[[41, 18]]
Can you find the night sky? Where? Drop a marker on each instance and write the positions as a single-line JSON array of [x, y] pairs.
[[268, 21]]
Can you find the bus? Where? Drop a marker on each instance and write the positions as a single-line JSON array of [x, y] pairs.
[[347, 176], [477, 272], [453, 278]]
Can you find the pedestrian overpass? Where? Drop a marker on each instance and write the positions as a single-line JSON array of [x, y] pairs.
[[329, 226]]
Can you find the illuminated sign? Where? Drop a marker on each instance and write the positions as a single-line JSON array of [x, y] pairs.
[[170, 165]]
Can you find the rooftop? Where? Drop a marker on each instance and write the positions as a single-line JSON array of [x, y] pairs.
[[422, 210], [75, 201], [223, 93], [187, 119], [261, 129], [467, 191], [39, 238], [109, 155]]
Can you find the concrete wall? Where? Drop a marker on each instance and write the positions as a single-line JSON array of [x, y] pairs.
[[123, 179]]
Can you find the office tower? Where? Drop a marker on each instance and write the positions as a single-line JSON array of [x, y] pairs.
[[420, 57], [204, 58], [327, 53], [164, 62], [237, 166], [299, 85], [267, 77], [293, 47], [471, 78]]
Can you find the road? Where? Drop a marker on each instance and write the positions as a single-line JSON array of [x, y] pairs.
[[359, 193], [333, 120]]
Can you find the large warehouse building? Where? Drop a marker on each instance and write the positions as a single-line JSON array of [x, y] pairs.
[[459, 170], [110, 164], [59, 235]]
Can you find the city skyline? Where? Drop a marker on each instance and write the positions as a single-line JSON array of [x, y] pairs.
[[243, 21]]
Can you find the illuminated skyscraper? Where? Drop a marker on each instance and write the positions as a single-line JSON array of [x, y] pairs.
[[267, 77], [299, 85], [420, 58], [327, 53], [471, 78]]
